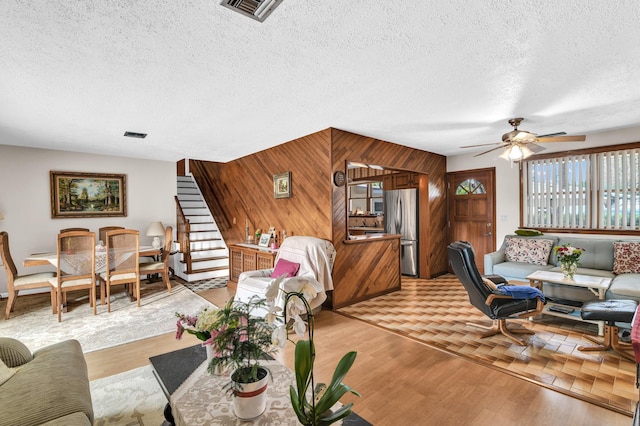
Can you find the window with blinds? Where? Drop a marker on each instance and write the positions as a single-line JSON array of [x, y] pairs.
[[597, 190]]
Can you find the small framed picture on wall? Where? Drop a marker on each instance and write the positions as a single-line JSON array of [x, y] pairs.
[[282, 185]]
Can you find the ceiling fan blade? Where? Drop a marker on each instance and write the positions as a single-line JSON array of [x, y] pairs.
[[483, 144], [552, 134], [493, 149], [535, 148], [576, 138]]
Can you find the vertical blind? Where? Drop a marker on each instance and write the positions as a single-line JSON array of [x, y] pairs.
[[583, 191]]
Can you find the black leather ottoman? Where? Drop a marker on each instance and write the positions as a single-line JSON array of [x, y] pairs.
[[609, 311]]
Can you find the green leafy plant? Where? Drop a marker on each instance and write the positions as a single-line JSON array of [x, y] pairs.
[[239, 340], [316, 410]]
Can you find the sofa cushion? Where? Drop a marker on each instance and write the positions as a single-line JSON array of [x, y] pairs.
[[5, 372], [598, 253], [74, 419], [52, 385], [518, 270], [528, 250], [626, 257], [625, 286], [13, 352]]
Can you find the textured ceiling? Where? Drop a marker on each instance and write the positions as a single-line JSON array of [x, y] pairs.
[[206, 82]]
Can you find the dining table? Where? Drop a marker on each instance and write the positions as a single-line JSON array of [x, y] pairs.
[[51, 258]]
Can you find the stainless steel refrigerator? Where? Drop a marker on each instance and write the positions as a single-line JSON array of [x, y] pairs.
[[401, 217]]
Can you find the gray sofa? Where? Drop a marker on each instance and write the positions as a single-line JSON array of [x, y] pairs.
[[49, 387], [597, 260]]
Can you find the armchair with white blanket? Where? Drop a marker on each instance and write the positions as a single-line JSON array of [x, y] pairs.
[[305, 260]]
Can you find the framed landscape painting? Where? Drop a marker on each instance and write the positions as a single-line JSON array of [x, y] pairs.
[[88, 195], [282, 185]]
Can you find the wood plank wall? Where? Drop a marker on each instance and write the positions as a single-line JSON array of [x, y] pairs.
[[245, 189], [370, 279], [317, 207]]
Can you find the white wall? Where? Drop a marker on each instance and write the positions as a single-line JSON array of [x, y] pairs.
[[508, 177], [25, 199]]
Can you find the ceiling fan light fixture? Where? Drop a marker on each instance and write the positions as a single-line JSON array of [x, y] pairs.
[[515, 153]]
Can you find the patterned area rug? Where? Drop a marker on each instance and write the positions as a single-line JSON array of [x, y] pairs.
[[201, 285], [36, 326], [436, 311], [130, 398]]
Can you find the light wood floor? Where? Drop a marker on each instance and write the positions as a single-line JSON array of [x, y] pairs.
[[401, 381]]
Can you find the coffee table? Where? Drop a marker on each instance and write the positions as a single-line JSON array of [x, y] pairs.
[[597, 285], [185, 367]]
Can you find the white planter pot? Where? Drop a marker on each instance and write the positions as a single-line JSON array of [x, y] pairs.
[[251, 400]]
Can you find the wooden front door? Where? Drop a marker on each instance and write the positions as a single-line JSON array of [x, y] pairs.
[[472, 210]]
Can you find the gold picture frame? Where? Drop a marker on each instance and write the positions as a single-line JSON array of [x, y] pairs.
[[282, 185], [76, 194]]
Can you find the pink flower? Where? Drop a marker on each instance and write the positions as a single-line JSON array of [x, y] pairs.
[[179, 330]]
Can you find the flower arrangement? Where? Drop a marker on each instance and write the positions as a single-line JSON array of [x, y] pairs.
[[295, 295], [568, 254], [569, 258], [237, 338]]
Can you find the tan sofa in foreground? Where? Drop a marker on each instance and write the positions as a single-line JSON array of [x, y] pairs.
[[50, 386]]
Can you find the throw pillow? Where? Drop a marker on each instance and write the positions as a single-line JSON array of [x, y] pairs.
[[528, 250], [5, 372], [13, 352], [283, 266], [626, 257]]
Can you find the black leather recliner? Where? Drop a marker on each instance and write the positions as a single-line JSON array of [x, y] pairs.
[[484, 296]]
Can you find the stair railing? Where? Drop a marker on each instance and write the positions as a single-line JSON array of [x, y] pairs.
[[183, 231]]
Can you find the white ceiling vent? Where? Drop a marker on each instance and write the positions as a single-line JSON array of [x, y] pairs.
[[256, 9]]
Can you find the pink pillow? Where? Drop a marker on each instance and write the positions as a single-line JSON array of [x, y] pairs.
[[283, 266]]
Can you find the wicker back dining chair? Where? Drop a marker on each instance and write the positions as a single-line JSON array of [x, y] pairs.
[[16, 283], [102, 232], [76, 267], [161, 267], [122, 263]]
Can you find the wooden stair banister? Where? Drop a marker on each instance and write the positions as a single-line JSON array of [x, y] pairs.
[[208, 189], [183, 230]]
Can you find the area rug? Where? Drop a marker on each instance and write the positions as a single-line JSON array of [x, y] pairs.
[[436, 311], [130, 398], [36, 326], [208, 284]]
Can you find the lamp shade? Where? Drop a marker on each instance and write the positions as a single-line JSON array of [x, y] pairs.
[[156, 229]]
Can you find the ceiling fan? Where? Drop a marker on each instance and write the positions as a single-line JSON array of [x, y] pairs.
[[520, 144]]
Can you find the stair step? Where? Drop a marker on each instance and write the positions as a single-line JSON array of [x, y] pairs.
[[207, 249], [215, 268], [206, 259]]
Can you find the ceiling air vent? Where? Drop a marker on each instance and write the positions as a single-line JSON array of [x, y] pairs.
[[255, 9], [135, 135]]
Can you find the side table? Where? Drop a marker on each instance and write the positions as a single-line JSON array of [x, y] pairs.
[[175, 368]]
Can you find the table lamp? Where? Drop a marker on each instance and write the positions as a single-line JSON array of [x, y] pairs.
[[156, 230]]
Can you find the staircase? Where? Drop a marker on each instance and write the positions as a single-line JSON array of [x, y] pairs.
[[203, 253]]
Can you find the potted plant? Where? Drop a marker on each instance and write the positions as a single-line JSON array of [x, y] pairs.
[[238, 341], [312, 403]]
